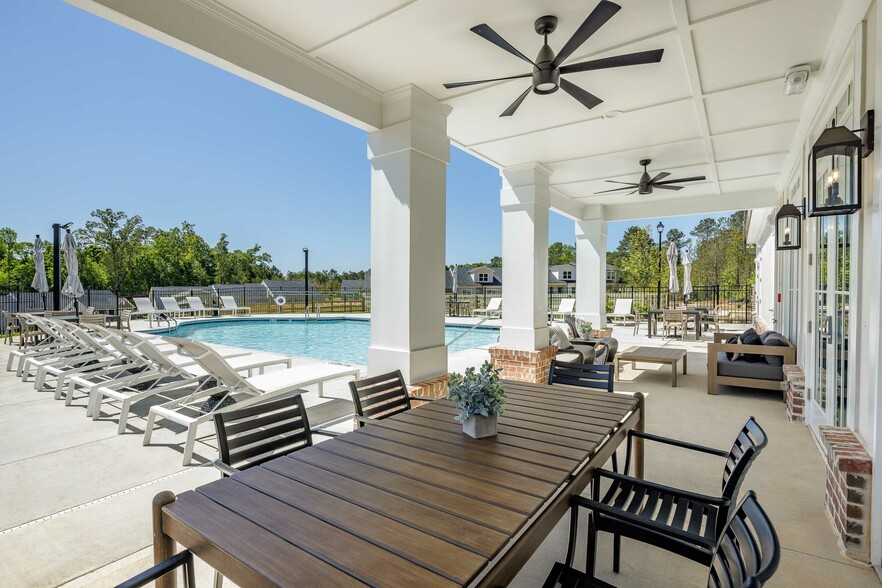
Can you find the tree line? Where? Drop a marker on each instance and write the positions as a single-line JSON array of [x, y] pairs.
[[120, 253]]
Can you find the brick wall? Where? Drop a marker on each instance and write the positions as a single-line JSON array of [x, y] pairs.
[[794, 393], [524, 366], [849, 480], [434, 388]]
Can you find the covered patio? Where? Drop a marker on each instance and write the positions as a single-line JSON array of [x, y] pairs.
[[712, 107]]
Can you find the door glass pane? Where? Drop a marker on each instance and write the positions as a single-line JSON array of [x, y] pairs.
[[821, 352]]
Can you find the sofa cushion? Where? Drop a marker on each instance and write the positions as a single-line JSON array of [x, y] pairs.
[[558, 338], [749, 337], [565, 327], [732, 355], [775, 340], [601, 353], [746, 369]]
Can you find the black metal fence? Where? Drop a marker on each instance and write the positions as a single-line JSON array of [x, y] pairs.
[[735, 304], [263, 301]]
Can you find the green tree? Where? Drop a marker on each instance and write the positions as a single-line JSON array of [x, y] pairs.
[[560, 254], [121, 238], [495, 261], [639, 258]]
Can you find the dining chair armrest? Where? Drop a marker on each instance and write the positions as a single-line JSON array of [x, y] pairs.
[[676, 443], [325, 432], [661, 488], [421, 398], [364, 420], [225, 469], [183, 558]]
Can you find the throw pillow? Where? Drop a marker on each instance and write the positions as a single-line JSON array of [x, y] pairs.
[[566, 329], [749, 337], [775, 340], [601, 352], [571, 323], [732, 355], [558, 338]]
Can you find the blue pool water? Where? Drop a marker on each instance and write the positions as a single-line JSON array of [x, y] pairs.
[[344, 340]]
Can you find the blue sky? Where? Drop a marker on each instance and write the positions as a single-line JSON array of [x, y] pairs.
[[96, 116]]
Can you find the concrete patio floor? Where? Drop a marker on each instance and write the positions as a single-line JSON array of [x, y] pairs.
[[77, 496]]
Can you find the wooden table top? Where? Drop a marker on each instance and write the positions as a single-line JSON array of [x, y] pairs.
[[408, 501], [652, 353]]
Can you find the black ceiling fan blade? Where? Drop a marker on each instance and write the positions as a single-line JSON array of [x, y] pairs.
[[488, 33], [667, 187], [659, 176], [682, 180], [598, 17], [614, 190], [514, 105], [587, 99], [639, 58], [634, 192], [461, 84], [624, 183]]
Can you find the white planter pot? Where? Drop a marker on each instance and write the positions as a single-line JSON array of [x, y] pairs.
[[479, 427]]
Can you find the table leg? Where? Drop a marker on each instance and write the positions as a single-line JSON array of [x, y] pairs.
[[163, 545], [684, 363], [618, 367], [674, 374]]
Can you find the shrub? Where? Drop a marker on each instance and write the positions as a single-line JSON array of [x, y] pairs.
[[477, 392]]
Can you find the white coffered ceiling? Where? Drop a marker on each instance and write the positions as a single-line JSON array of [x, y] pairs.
[[714, 106]]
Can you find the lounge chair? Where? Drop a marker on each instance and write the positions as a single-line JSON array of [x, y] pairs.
[[228, 303], [196, 304], [494, 309], [171, 306], [623, 310], [233, 390], [567, 307], [145, 307]]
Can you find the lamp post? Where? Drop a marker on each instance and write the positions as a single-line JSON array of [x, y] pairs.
[[660, 227], [306, 278], [56, 263]]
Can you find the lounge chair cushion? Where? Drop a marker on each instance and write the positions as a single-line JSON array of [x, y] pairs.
[[745, 369], [777, 340], [570, 320], [601, 353], [571, 334], [558, 338], [749, 337]]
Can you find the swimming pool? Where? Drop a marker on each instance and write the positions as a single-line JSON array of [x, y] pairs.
[[343, 340]]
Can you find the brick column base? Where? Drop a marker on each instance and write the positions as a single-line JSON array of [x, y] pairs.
[[434, 388], [522, 365], [794, 393], [849, 481]]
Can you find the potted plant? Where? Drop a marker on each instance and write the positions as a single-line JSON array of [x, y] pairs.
[[480, 397], [585, 328]]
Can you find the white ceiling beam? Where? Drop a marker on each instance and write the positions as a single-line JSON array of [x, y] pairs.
[[566, 206], [684, 31], [224, 39], [697, 205]]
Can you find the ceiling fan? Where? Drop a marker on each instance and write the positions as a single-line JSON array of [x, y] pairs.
[[647, 184], [547, 68]]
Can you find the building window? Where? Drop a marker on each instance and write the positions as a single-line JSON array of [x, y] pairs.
[[482, 277], [568, 275]]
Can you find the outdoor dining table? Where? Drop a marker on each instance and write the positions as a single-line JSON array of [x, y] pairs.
[[695, 313], [406, 501]]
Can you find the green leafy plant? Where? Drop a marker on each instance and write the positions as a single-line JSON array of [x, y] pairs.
[[585, 328], [477, 393]]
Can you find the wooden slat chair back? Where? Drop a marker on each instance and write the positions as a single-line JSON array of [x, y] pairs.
[[252, 435], [125, 319], [381, 396], [585, 375], [92, 319], [749, 551]]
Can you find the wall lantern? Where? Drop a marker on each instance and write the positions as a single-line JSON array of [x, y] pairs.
[[788, 227], [836, 168]]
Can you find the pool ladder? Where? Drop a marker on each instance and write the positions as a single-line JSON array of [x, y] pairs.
[[318, 313], [472, 328], [169, 320]]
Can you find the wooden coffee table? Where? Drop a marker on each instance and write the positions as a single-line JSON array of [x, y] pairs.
[[653, 355]]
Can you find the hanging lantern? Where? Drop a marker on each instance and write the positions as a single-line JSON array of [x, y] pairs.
[[836, 169], [788, 228]]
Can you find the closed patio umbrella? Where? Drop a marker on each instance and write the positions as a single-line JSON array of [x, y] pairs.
[[455, 270], [72, 286], [673, 284], [687, 275], [40, 283]]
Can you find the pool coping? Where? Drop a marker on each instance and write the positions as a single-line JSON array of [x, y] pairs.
[[266, 319]]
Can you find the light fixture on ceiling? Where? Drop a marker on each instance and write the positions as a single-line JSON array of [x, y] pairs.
[[795, 79], [613, 114]]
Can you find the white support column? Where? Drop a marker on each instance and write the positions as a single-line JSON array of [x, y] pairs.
[[409, 156], [591, 271], [524, 199]]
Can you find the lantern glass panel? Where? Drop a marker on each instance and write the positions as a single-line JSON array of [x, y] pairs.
[[836, 182], [788, 233]]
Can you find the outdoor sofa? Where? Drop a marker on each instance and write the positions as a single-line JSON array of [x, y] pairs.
[[765, 372]]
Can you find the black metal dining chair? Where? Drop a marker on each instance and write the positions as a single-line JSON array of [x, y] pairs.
[[584, 375], [183, 559], [746, 555], [683, 522], [380, 397]]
